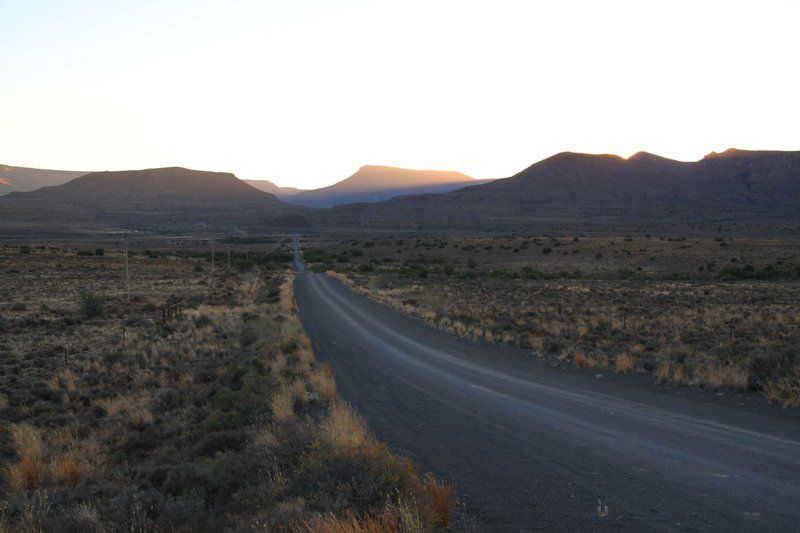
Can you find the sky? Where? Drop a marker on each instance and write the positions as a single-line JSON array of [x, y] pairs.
[[304, 92]]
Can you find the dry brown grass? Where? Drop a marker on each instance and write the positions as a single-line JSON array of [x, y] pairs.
[[441, 494], [282, 404], [298, 391], [729, 376], [135, 407], [383, 522], [287, 294], [343, 427], [783, 391], [624, 363], [28, 471], [69, 472], [323, 382]]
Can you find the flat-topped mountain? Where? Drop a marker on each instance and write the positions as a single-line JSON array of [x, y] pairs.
[[584, 187], [373, 183], [161, 187], [28, 179], [166, 196]]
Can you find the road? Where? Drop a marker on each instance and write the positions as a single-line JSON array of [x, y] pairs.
[[531, 447]]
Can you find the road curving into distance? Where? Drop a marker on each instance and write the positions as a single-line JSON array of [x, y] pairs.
[[532, 447]]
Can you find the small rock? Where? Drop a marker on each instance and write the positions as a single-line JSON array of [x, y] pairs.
[[599, 376]]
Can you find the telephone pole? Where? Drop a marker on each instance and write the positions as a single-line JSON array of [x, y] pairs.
[[212, 257], [229, 256]]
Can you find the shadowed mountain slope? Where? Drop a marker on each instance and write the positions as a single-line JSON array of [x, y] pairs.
[[586, 187], [268, 186], [374, 183], [29, 179], [164, 198]]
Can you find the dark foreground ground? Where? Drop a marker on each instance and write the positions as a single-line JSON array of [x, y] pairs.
[[532, 447]]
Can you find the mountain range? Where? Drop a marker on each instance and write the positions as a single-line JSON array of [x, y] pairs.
[[585, 187], [568, 187], [162, 198]]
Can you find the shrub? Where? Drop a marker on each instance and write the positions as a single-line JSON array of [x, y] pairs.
[[360, 477], [24, 249], [99, 251], [220, 420], [90, 305]]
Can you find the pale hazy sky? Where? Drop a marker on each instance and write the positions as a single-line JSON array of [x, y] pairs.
[[304, 92]]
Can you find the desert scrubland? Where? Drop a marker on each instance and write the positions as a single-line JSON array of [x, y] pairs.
[[190, 401], [719, 313]]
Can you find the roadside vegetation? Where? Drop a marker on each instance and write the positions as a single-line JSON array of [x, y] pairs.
[[716, 313], [214, 415]]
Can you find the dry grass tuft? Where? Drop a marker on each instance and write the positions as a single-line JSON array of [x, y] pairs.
[[624, 363], [323, 383], [782, 391], [69, 472], [384, 522], [344, 427], [282, 404], [298, 392], [663, 372], [136, 408], [287, 295], [717, 377], [441, 494], [580, 360], [28, 471]]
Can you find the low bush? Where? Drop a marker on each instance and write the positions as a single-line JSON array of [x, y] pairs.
[[90, 305]]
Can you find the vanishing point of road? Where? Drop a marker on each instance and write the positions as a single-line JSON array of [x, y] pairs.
[[531, 447]]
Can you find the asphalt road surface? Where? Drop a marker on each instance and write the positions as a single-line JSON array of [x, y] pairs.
[[531, 447]]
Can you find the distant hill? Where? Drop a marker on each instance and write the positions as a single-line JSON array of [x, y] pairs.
[[163, 198], [268, 186], [379, 183], [585, 187], [28, 179]]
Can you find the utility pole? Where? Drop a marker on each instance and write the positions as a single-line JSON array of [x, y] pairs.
[[229, 256], [127, 271], [212, 257]]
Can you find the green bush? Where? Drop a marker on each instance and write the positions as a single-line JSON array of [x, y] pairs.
[[243, 264], [316, 256], [359, 477], [90, 305]]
